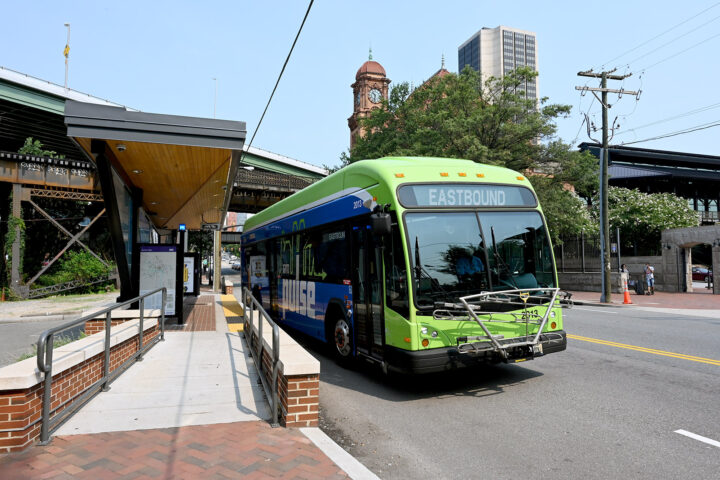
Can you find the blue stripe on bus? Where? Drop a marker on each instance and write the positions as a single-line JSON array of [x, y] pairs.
[[346, 207]]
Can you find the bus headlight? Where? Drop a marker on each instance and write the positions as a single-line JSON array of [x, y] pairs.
[[423, 330], [434, 334], [552, 314]]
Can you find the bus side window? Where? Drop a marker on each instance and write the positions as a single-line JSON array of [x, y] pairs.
[[326, 255], [396, 278]]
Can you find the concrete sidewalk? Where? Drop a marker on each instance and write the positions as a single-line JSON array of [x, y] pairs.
[[192, 408]]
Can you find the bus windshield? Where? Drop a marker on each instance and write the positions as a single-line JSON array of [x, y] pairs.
[[454, 254]]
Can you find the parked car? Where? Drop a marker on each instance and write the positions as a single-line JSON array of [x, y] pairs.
[[236, 266], [701, 274]]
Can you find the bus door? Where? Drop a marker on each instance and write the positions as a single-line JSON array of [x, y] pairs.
[[367, 292]]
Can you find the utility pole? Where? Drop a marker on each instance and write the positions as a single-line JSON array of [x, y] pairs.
[[606, 295]]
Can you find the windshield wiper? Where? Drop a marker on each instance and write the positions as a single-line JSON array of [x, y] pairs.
[[500, 260]]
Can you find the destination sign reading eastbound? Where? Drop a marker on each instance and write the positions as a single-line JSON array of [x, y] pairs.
[[465, 195]]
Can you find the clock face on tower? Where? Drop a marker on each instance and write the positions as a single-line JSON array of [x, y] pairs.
[[375, 95]]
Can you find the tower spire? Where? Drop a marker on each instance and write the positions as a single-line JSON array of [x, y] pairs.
[[370, 55], [442, 67]]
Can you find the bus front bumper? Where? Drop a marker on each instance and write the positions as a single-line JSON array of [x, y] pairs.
[[449, 358]]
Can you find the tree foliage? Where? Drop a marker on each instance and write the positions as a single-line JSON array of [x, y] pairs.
[[491, 122], [76, 265], [35, 147], [201, 241], [641, 217]]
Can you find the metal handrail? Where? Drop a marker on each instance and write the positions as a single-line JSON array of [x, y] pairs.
[[45, 356], [271, 391]]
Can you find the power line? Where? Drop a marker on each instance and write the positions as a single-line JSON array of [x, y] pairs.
[[672, 41], [661, 34], [674, 134], [680, 115], [680, 52], [281, 74]]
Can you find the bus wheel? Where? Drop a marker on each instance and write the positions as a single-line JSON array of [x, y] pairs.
[[343, 339]]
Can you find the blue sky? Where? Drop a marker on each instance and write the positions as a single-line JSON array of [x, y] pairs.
[[161, 57]]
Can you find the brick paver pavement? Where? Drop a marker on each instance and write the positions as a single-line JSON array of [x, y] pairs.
[[199, 315], [247, 450], [700, 300]]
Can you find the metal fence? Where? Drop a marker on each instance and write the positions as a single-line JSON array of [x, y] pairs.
[[45, 349], [581, 253], [250, 306]]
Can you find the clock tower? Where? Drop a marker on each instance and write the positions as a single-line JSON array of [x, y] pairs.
[[369, 90]]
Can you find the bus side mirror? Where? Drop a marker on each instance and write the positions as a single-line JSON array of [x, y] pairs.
[[381, 223]]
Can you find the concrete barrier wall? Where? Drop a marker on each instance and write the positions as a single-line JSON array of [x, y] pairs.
[[591, 281]]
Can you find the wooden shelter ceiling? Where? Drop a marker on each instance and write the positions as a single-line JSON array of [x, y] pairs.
[[180, 184]]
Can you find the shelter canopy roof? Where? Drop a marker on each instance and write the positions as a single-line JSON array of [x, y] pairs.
[[185, 166]]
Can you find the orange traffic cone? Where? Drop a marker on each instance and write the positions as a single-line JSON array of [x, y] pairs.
[[626, 300]]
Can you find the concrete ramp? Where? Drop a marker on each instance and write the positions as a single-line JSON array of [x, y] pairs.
[[192, 378]]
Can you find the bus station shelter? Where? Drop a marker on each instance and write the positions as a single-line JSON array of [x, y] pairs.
[[159, 174]]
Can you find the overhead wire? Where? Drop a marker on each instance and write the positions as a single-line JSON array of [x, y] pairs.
[[661, 34], [676, 133], [281, 74], [674, 117], [644, 69], [672, 41]]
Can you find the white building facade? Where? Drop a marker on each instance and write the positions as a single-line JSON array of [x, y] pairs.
[[496, 51]]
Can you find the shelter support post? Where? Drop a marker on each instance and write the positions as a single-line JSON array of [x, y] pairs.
[[217, 266], [102, 161]]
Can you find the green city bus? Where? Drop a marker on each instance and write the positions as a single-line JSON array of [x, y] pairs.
[[418, 264]]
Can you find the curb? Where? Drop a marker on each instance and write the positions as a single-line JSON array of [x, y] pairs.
[[40, 318], [350, 464]]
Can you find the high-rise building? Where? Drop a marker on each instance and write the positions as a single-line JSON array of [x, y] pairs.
[[496, 51]]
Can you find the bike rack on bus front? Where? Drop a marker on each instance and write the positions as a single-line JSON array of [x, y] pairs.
[[473, 303]]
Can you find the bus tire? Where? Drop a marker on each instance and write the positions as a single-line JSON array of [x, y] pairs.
[[341, 340]]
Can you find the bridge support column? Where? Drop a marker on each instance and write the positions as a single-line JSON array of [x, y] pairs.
[[16, 259]]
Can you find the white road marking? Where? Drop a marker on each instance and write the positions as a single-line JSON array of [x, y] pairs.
[[602, 310], [700, 438]]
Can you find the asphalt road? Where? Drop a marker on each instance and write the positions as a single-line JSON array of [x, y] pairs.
[[18, 338], [593, 411]]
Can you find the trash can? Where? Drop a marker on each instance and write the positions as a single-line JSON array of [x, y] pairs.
[[640, 285]]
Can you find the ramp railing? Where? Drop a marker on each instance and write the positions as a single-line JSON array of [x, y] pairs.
[[269, 379], [45, 361]]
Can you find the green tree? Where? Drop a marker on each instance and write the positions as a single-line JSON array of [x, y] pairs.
[[641, 217], [35, 147], [493, 122], [201, 241], [78, 265], [566, 213]]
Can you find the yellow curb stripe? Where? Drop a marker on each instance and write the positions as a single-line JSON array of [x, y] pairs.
[[681, 356], [230, 305], [235, 327]]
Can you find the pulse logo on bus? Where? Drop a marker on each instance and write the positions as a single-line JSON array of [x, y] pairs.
[[298, 297]]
